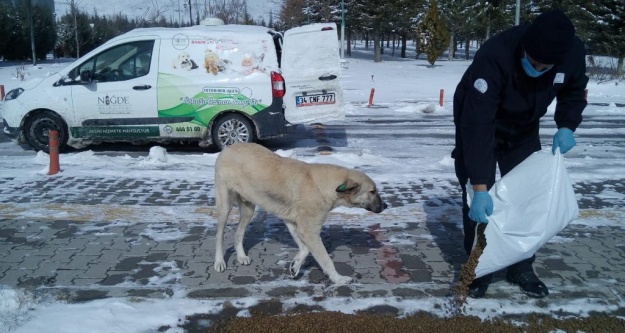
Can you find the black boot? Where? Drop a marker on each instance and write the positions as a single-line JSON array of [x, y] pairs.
[[479, 286], [528, 282]]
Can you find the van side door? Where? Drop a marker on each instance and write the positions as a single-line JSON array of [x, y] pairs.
[[116, 96], [311, 69]]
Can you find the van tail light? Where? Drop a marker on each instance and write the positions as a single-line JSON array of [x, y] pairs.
[[277, 85], [1, 92]]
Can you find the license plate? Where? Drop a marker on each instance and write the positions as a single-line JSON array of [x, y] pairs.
[[319, 99]]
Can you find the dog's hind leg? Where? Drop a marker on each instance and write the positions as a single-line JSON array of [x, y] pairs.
[[223, 204], [310, 236], [246, 211], [303, 250]]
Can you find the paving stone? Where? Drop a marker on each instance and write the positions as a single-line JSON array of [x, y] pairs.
[[65, 277], [63, 255], [80, 262], [420, 258], [96, 271], [92, 249], [12, 277]]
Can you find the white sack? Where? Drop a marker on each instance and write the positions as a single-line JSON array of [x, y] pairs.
[[532, 203]]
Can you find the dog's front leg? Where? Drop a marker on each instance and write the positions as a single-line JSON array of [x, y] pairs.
[[303, 250], [310, 236], [220, 264]]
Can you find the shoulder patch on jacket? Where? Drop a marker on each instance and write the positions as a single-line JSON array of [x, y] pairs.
[[480, 85], [559, 78]]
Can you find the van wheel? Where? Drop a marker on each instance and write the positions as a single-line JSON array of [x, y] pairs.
[[230, 129], [38, 125]]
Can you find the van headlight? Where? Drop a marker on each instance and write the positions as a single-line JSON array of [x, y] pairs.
[[13, 94]]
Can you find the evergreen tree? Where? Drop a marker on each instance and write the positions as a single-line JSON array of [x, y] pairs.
[[406, 15], [323, 11], [376, 16], [292, 13], [8, 26], [604, 29], [433, 34], [16, 37], [354, 21]]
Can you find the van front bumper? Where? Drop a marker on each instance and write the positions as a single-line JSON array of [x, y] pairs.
[[11, 132]]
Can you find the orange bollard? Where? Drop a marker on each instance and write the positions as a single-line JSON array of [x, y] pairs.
[[440, 98], [371, 97], [54, 152]]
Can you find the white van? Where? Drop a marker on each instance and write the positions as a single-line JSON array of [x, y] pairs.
[[211, 84]]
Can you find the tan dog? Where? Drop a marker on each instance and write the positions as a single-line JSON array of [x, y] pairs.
[[301, 194], [211, 61]]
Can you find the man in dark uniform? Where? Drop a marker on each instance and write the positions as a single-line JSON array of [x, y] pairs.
[[497, 109]]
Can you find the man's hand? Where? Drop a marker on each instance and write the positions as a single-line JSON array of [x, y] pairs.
[[481, 206], [564, 140]]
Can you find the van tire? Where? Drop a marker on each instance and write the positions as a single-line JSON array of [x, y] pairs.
[[230, 129], [38, 125]]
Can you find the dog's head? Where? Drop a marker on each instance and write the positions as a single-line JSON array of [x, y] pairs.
[[360, 191], [184, 57]]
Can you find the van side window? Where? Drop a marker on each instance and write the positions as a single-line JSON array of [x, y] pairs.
[[120, 63]]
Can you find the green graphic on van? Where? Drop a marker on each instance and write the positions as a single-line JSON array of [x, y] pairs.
[[202, 105]]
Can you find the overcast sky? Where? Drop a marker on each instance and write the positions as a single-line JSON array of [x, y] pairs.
[[138, 8]]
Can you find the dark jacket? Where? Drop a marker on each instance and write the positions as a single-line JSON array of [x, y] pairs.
[[511, 103]]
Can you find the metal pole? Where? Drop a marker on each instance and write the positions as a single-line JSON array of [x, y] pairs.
[[190, 16], [342, 29], [32, 32], [73, 4], [517, 13]]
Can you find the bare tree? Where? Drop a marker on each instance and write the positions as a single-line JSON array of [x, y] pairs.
[[73, 5], [229, 11], [155, 11]]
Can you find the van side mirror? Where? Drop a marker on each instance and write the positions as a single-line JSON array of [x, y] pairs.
[[86, 76]]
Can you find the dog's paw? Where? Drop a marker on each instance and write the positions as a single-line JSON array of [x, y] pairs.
[[220, 266], [294, 268], [341, 279], [244, 260]]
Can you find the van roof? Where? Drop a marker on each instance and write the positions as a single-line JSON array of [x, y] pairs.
[[197, 29]]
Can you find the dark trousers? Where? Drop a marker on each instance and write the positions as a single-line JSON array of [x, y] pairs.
[[508, 154]]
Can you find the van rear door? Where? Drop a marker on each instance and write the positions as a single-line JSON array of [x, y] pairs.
[[311, 69]]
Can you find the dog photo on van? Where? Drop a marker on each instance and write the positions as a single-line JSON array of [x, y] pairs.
[[211, 62], [184, 61], [301, 194]]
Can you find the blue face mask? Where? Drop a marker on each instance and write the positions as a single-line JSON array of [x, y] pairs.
[[530, 70]]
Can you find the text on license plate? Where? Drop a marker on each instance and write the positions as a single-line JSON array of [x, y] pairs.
[[310, 100]]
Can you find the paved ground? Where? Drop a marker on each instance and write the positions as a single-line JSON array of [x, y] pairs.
[[94, 237]]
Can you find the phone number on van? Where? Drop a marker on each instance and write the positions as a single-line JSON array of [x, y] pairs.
[[310, 100]]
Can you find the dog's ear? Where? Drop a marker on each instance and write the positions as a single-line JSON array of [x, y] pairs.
[[347, 186]]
